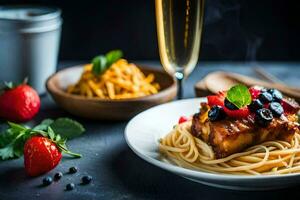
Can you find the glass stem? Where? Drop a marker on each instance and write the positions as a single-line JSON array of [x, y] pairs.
[[179, 75]]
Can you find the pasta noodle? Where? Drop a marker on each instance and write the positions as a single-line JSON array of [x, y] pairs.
[[122, 80], [268, 158]]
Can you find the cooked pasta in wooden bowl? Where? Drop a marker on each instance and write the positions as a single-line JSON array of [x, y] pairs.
[[119, 92], [122, 80]]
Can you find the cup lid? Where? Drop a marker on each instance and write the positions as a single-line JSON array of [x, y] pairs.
[[28, 13], [29, 19]]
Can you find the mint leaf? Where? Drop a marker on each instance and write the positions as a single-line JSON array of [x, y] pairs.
[[99, 64], [43, 126], [64, 127], [7, 152], [6, 137], [113, 56], [239, 95], [67, 128], [14, 148]]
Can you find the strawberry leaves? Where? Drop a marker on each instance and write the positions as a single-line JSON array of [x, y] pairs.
[[12, 139], [7, 85], [60, 142]]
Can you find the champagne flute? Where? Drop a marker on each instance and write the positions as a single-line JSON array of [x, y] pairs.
[[179, 28]]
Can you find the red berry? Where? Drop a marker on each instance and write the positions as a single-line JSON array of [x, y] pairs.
[[19, 104], [255, 92], [183, 119], [240, 113], [216, 100], [40, 155], [290, 106]]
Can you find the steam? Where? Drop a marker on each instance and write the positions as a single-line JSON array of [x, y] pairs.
[[215, 10], [223, 34], [253, 44]]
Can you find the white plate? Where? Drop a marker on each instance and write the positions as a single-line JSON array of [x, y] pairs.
[[143, 132]]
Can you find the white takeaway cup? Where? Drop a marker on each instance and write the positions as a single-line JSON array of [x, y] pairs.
[[29, 43]]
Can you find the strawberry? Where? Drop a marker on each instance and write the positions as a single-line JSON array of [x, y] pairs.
[[290, 106], [240, 113], [216, 100], [255, 92], [183, 119], [40, 155], [19, 104]]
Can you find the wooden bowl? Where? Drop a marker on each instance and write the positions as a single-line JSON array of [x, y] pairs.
[[104, 109]]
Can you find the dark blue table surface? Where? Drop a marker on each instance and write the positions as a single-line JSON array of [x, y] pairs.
[[118, 173]]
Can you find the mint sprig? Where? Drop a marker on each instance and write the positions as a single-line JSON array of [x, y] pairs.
[[239, 95], [65, 127], [102, 62], [12, 140]]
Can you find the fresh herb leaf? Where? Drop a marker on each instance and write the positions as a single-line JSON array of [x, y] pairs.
[[7, 152], [113, 56], [101, 63], [15, 147], [67, 128], [43, 126], [6, 137], [239, 95]]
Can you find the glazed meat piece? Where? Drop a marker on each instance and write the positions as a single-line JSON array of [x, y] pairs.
[[230, 136]]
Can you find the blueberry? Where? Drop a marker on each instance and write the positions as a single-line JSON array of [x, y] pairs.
[[255, 105], [47, 180], [86, 179], [276, 94], [73, 170], [230, 105], [263, 90], [58, 175], [276, 109], [265, 97], [263, 117], [70, 186], [216, 113]]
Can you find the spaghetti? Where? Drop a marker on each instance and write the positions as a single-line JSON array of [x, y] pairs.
[[268, 158]]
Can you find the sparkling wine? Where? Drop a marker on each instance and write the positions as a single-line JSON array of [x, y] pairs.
[[179, 27]]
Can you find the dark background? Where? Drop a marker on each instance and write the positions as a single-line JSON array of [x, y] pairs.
[[234, 29]]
